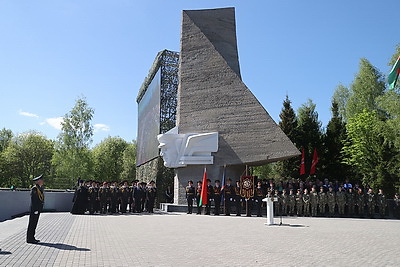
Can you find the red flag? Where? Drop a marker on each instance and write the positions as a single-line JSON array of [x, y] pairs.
[[203, 195], [314, 162], [302, 164]]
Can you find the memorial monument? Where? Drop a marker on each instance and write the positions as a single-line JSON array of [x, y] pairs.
[[219, 122]]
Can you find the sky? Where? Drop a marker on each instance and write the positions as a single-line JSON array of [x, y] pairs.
[[54, 52]]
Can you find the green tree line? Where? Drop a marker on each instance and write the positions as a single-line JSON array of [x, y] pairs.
[[361, 142], [67, 158]]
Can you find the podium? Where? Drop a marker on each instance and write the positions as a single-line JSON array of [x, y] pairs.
[[270, 209]]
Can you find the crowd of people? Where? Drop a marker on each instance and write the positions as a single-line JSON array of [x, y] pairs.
[[94, 197], [293, 197]]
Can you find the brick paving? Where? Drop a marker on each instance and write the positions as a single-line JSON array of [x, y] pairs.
[[176, 239]]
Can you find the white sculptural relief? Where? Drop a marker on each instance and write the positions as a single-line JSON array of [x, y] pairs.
[[179, 150]]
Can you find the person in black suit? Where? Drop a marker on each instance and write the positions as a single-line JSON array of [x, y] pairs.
[[37, 201]]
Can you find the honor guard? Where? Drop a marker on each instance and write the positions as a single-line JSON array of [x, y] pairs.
[[217, 197], [259, 195], [210, 196], [228, 194], [37, 202], [190, 195], [238, 199], [151, 196]]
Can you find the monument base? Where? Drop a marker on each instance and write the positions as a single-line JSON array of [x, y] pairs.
[[196, 172]]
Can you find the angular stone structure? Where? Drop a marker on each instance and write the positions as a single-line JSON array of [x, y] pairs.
[[213, 98]]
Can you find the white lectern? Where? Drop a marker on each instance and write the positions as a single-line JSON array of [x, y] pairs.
[[270, 209]]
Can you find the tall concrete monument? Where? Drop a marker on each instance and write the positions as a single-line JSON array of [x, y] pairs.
[[212, 98]]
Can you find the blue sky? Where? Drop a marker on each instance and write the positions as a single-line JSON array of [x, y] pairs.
[[52, 52]]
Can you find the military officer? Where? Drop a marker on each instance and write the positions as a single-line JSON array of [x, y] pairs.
[[124, 194], [322, 201], [37, 202], [306, 202], [331, 196], [190, 194], [299, 202], [371, 202], [217, 197], [350, 199], [341, 200], [198, 196], [210, 196], [238, 199], [314, 201], [228, 194], [292, 202], [151, 196], [259, 195], [381, 201]]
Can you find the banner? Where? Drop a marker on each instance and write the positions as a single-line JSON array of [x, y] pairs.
[[247, 186]]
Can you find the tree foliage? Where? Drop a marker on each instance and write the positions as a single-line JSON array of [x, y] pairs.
[[367, 86], [28, 155], [109, 159], [73, 158], [129, 162]]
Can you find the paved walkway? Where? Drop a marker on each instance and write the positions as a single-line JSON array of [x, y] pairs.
[[176, 239]]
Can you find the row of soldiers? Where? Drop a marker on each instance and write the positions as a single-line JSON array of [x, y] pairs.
[[322, 202], [112, 197]]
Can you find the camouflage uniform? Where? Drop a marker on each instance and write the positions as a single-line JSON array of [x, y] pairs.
[[371, 202], [314, 202], [331, 196], [341, 200], [285, 202], [350, 199], [322, 201], [306, 201], [360, 202], [292, 202], [299, 203]]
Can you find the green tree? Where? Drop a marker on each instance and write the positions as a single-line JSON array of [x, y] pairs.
[[109, 159], [309, 132], [333, 143], [340, 97], [5, 137], [73, 158], [28, 155], [288, 124], [366, 152], [129, 162], [366, 87]]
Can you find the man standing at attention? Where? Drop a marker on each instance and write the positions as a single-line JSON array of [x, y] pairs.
[[37, 201]]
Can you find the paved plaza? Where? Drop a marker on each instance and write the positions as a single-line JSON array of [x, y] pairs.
[[176, 239]]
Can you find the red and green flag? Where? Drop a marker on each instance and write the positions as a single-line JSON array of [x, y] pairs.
[[394, 74], [203, 195]]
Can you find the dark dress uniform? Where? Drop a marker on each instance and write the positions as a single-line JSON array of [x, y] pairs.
[[229, 192], [210, 196], [113, 198], [37, 202], [238, 201], [92, 195], [103, 197], [150, 197], [138, 196], [259, 195], [190, 192], [217, 200], [124, 193]]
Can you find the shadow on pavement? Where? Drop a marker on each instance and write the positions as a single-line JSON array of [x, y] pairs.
[[5, 252], [292, 225], [62, 246]]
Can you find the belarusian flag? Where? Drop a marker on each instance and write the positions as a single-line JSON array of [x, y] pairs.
[[314, 162], [203, 195], [394, 74], [302, 164]]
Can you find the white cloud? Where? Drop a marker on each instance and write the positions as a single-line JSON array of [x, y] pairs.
[[99, 127], [27, 114], [55, 122]]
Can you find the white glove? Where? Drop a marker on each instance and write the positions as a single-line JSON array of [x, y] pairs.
[[36, 212]]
